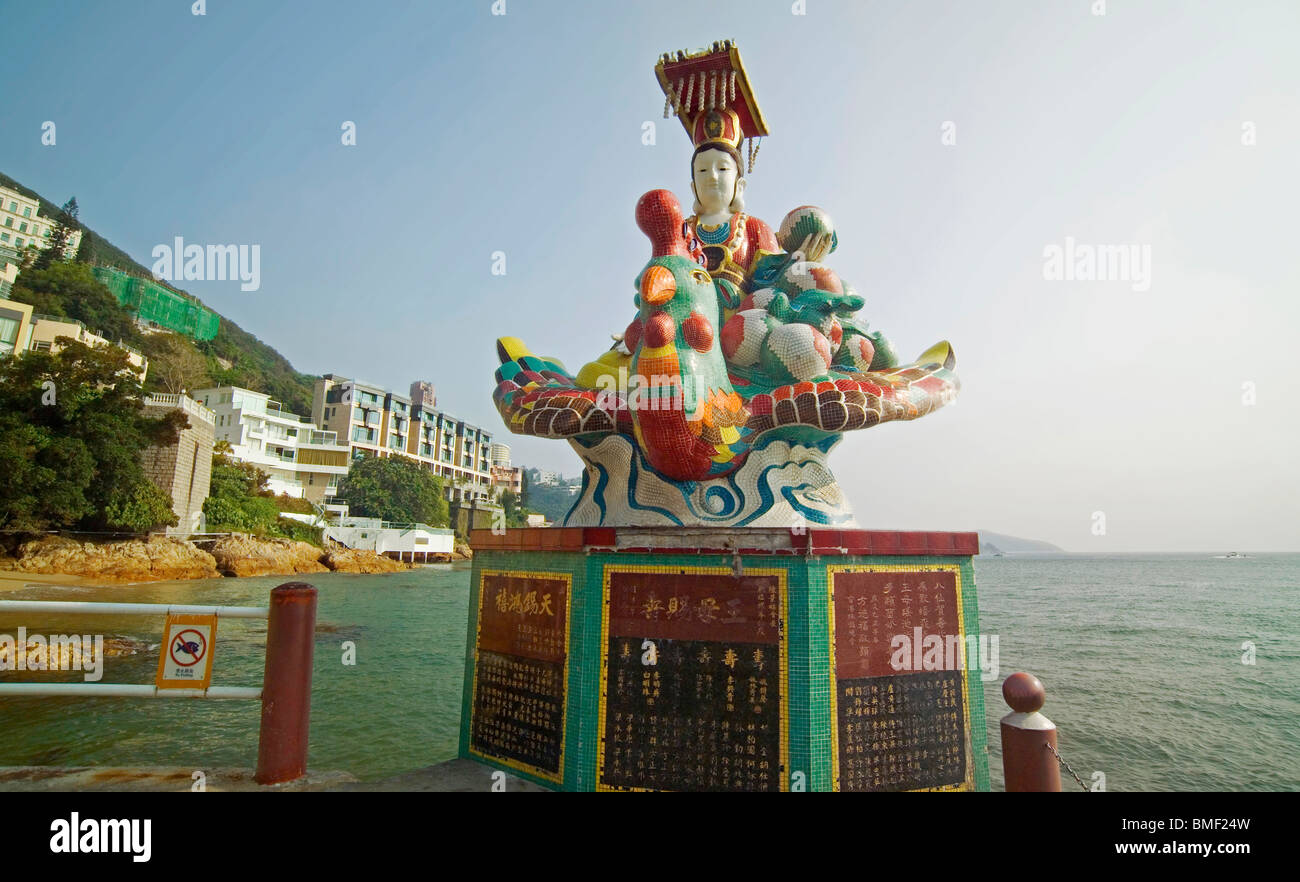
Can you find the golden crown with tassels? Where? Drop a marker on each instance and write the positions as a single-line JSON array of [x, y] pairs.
[[710, 93]]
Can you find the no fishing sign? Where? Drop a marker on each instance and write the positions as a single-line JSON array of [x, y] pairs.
[[185, 656]]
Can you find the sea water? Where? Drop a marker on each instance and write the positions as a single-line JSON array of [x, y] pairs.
[[1141, 655]]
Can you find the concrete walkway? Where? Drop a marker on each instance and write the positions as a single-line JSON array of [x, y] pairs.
[[454, 776]]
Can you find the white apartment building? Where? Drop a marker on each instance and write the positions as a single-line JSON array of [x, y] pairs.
[[21, 225], [374, 421], [15, 327], [300, 459], [8, 270], [500, 454]]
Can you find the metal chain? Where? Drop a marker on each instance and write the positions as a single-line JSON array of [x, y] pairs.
[[1059, 759]]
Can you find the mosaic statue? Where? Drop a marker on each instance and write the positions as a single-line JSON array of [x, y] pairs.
[[747, 359]]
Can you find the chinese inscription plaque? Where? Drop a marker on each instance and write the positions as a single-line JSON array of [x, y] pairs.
[[900, 713], [693, 682], [519, 688]]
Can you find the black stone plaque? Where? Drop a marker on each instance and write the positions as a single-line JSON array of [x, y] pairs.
[[693, 678], [518, 709], [898, 680]]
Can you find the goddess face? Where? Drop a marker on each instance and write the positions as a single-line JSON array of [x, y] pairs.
[[714, 178]]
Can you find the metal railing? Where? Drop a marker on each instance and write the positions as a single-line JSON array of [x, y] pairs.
[[286, 685], [184, 402]]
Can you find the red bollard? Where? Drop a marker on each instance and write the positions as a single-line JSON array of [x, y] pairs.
[[1027, 765], [286, 684]]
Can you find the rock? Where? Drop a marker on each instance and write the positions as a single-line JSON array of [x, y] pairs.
[[155, 559], [60, 655], [462, 551], [357, 560], [249, 556], [161, 558]]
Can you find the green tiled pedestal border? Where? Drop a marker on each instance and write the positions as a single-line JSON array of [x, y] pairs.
[[807, 634]]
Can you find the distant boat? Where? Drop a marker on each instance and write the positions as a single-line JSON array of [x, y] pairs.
[[1231, 555]]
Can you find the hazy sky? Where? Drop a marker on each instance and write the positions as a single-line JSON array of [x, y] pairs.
[[523, 133]]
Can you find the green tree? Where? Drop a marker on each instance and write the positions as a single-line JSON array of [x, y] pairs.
[[139, 509], [27, 257], [72, 431], [71, 290], [516, 514], [238, 498], [394, 489], [64, 227], [174, 363]]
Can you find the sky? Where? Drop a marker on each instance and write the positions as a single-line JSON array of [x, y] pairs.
[[955, 144]]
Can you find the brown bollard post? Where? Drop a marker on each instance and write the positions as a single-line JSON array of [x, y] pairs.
[[1027, 765], [286, 684]]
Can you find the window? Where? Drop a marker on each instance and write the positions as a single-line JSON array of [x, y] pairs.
[[4, 237], [18, 241], [27, 212], [22, 228], [41, 346], [9, 222], [13, 206]]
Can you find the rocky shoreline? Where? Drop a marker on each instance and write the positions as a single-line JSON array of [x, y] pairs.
[[160, 559]]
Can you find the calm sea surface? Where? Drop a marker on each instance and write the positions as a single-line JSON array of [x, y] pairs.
[[1141, 656]]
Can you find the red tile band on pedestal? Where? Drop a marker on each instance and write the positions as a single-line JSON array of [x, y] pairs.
[[603, 537], [652, 540]]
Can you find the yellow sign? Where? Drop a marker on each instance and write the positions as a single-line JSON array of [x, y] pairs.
[[185, 656]]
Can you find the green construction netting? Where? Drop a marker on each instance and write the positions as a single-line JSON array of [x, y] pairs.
[[154, 303]]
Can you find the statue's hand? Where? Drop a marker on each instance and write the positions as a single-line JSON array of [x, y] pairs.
[[815, 246]]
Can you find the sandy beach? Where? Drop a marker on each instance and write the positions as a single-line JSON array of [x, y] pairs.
[[11, 580]]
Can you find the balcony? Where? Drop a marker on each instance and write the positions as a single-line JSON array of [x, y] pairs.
[[317, 438], [318, 469]]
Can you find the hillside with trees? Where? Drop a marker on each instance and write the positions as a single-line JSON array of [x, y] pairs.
[[233, 358]]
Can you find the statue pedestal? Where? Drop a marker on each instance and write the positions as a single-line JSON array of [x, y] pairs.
[[702, 658]]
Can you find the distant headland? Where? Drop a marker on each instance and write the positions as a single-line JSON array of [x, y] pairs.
[[1000, 543]]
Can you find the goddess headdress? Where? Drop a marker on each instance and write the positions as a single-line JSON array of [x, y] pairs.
[[711, 95]]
